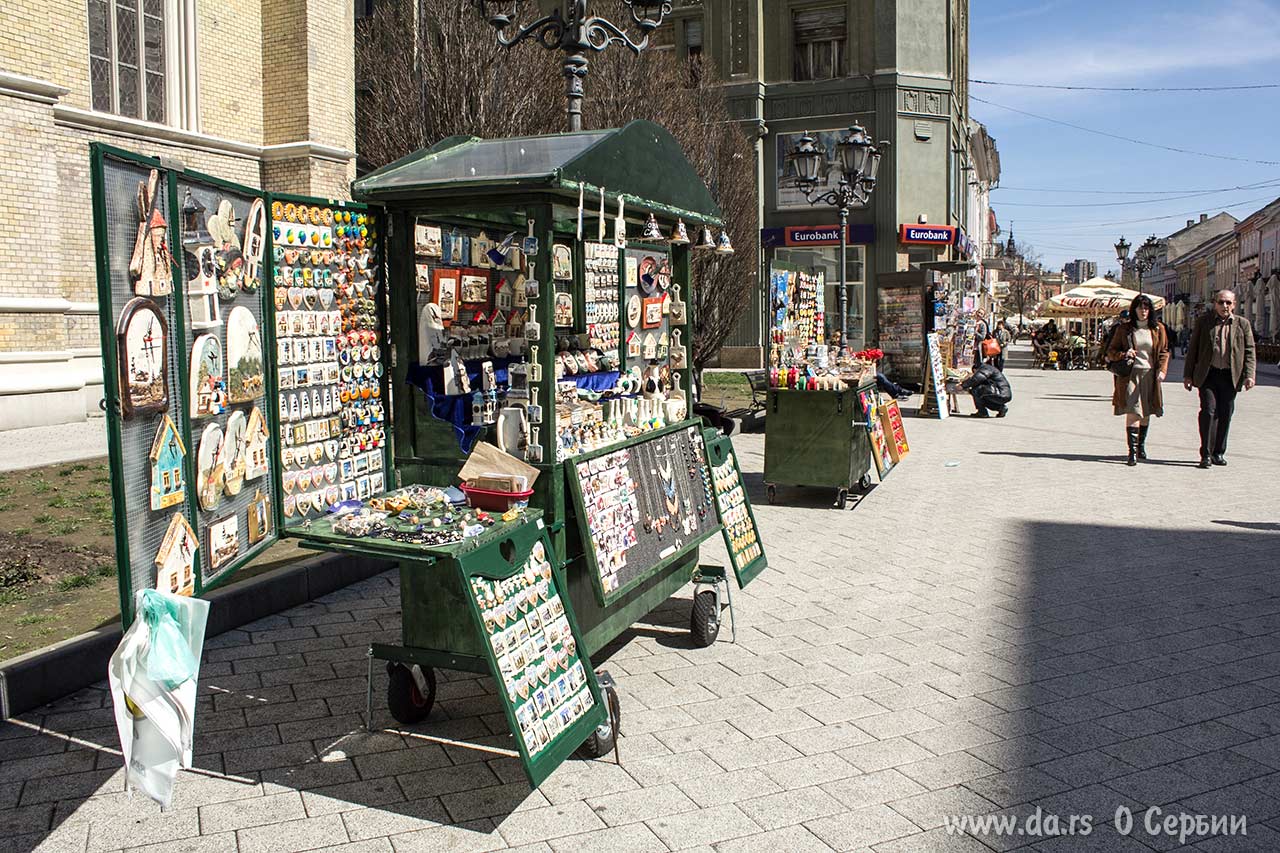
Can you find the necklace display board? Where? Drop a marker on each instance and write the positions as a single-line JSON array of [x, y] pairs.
[[642, 506], [741, 536]]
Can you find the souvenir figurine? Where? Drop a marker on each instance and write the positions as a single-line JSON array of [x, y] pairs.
[[202, 287], [151, 265], [680, 235], [176, 557], [652, 232], [723, 246], [142, 344], [168, 483], [244, 356], [706, 241]]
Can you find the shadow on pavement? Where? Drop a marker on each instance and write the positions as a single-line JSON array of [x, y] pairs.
[[1250, 525], [1086, 457]]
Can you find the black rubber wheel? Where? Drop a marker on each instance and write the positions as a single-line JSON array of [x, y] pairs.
[[404, 700], [842, 498], [773, 493], [865, 482], [601, 741], [704, 620]]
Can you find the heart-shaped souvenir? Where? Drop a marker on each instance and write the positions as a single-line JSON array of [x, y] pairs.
[[304, 479], [295, 297], [331, 449], [282, 297], [326, 299], [310, 298], [317, 475], [331, 496], [290, 506], [317, 453], [331, 472], [317, 501], [289, 479], [286, 457]]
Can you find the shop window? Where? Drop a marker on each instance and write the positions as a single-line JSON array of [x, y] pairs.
[[664, 37], [129, 58], [818, 37], [364, 9], [693, 38]]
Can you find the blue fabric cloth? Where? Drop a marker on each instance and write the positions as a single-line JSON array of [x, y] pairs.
[[455, 409], [594, 381]]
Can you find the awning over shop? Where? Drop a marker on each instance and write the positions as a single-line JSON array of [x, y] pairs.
[[1097, 297]]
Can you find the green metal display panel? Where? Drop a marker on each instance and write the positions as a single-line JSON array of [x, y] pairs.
[[815, 438], [562, 667], [741, 533]]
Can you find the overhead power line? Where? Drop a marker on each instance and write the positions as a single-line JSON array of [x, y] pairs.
[[1058, 227], [1126, 138], [1127, 203], [1067, 88], [1264, 183]]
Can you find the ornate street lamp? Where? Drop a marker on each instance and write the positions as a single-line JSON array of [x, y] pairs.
[[574, 33], [859, 161]]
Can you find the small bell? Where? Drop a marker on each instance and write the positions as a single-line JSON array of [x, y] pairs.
[[652, 232], [706, 241], [724, 247], [680, 236]]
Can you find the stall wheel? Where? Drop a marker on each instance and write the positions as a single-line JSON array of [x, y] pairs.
[[842, 499], [865, 482], [405, 697], [604, 738], [704, 620], [773, 493]]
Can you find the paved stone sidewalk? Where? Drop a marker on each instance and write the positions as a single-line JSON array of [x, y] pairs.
[[49, 445], [1013, 621]]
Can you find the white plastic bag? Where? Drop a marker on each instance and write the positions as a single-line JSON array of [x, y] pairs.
[[155, 699]]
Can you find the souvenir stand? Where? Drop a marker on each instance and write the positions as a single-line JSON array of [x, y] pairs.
[[250, 378], [816, 433]]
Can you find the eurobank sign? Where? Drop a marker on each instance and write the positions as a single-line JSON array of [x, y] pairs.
[[927, 235], [817, 235]]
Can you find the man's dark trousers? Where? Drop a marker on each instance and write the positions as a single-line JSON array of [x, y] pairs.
[[1217, 403]]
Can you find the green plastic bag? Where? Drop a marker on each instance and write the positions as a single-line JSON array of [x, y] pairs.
[[169, 660]]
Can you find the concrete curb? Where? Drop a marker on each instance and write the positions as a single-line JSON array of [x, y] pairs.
[[38, 678]]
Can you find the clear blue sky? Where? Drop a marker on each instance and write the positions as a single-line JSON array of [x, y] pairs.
[[1118, 44]]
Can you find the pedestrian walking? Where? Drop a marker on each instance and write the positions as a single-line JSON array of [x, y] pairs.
[[990, 390], [1138, 354], [1221, 360]]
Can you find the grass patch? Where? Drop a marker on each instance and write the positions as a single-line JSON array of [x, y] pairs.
[[76, 582], [43, 518], [4, 507], [22, 531], [106, 570], [33, 619], [62, 502], [101, 510], [94, 493], [5, 491], [41, 485], [11, 595], [65, 528], [100, 481]]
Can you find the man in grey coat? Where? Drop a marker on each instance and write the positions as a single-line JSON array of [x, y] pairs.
[[1221, 360]]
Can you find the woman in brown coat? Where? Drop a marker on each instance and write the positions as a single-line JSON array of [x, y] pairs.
[[1137, 396]]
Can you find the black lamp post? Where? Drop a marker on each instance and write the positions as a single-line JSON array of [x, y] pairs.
[[1143, 260], [574, 33], [859, 160]]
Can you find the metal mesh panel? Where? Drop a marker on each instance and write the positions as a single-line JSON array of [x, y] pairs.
[[132, 467], [240, 505]]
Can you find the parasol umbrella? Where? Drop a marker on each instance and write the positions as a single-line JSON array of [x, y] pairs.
[[1097, 297]]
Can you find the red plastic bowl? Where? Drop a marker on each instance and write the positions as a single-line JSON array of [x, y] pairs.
[[493, 500]]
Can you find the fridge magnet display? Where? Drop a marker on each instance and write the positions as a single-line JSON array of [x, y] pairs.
[[255, 243], [235, 445], [259, 518], [151, 265], [427, 242], [224, 541], [208, 385], [653, 312], [168, 483], [474, 289], [445, 284], [177, 555], [209, 467], [561, 262], [142, 342], [256, 462], [244, 356]]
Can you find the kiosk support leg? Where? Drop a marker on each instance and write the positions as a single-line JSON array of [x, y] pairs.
[[368, 691]]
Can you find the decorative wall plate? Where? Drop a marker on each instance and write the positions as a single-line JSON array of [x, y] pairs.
[[244, 356], [208, 381], [142, 344], [176, 557], [235, 447], [561, 262], [168, 482], [210, 471], [259, 518], [633, 311], [256, 462], [224, 541]]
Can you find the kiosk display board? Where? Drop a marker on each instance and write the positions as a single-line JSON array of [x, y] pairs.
[[902, 330], [935, 380], [741, 536], [880, 453], [641, 505], [548, 690]]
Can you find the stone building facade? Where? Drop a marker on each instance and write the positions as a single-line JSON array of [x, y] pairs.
[[255, 91]]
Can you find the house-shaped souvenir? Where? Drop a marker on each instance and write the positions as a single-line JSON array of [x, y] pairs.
[[176, 558], [515, 324], [505, 297], [168, 484], [198, 244], [498, 323], [256, 463]]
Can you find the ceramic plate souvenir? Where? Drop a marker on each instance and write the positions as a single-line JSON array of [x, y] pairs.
[[210, 467], [208, 382], [290, 506], [235, 446], [244, 356], [633, 311], [143, 347]]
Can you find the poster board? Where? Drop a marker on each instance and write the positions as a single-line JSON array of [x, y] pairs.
[[641, 505], [901, 318], [935, 390], [870, 401], [741, 534], [548, 691], [895, 430]]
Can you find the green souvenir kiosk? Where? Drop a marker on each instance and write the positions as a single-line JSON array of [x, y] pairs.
[[324, 369]]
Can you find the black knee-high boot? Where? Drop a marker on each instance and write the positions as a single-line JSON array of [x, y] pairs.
[[1142, 441], [1132, 434]]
